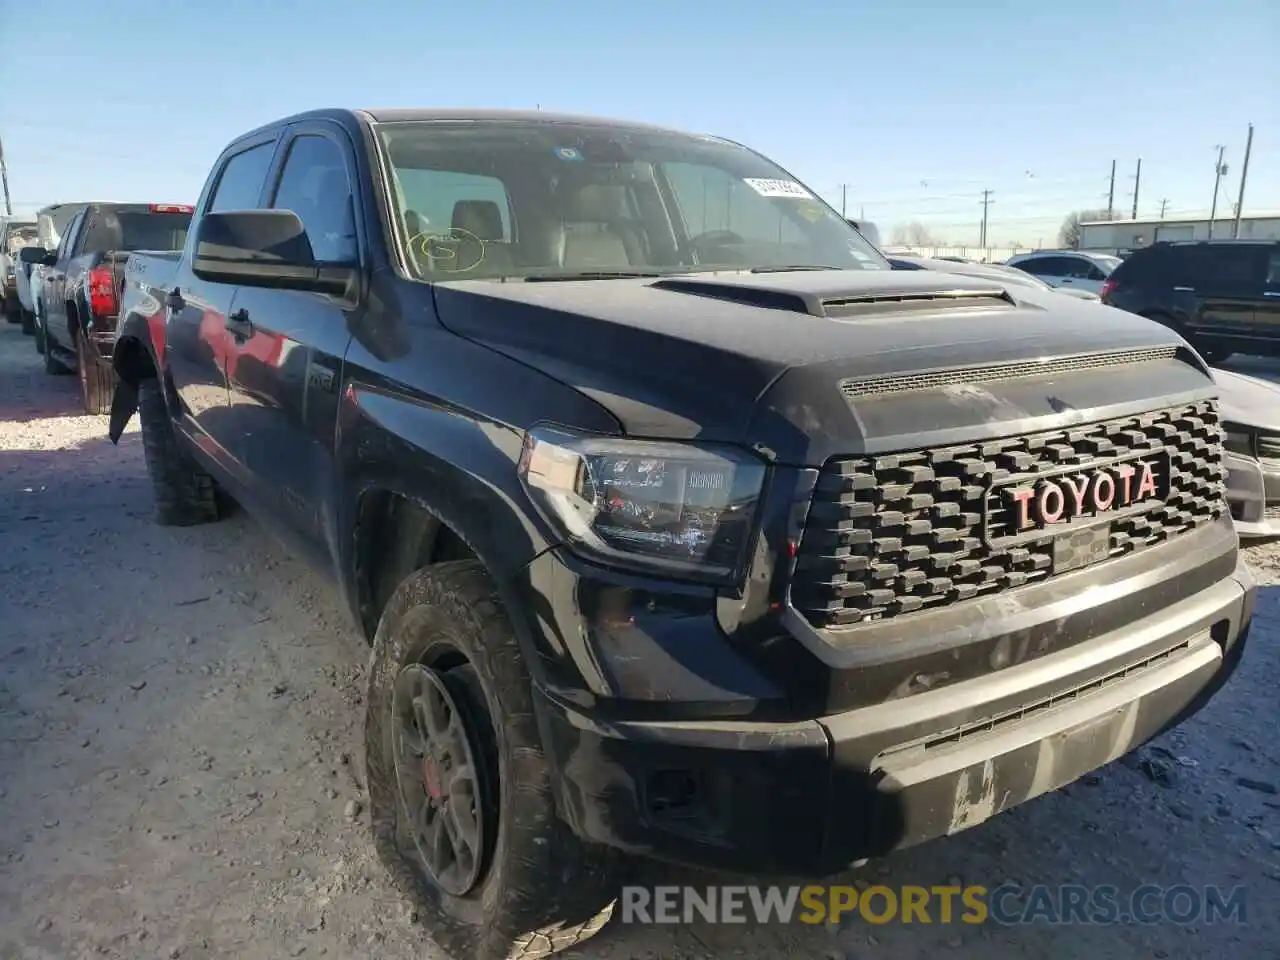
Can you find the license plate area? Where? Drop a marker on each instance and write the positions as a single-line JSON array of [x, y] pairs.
[[1081, 548]]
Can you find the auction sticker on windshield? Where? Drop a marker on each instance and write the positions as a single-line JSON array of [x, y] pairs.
[[777, 188]]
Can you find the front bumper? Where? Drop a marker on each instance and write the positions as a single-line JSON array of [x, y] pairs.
[[813, 796], [1253, 493]]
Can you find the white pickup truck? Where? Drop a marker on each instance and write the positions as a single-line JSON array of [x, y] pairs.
[[50, 222]]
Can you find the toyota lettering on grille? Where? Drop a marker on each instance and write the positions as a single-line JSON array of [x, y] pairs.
[[1061, 499], [1051, 503]]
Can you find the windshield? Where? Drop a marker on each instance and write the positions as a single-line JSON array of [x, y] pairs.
[[511, 198], [18, 237]]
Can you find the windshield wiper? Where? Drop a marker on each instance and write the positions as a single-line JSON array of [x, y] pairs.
[[591, 275], [793, 268]]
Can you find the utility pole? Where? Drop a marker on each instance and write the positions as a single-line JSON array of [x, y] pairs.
[[1111, 194], [4, 178], [844, 199], [1164, 205], [986, 202], [1244, 173], [1219, 170], [1137, 182]]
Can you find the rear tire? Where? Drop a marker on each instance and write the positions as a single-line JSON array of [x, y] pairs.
[[28, 323], [185, 494], [539, 888], [52, 365], [97, 379]]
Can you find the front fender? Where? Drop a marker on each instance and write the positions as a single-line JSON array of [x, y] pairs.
[[460, 470], [134, 358]]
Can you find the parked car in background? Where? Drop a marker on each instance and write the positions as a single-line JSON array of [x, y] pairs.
[[1251, 426], [1068, 268], [15, 234], [1222, 295], [717, 542], [51, 221], [992, 271], [80, 287], [868, 229]]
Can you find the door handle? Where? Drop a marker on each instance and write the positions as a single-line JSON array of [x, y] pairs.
[[1184, 289], [240, 325]]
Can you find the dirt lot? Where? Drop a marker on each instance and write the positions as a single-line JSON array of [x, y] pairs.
[[180, 776]]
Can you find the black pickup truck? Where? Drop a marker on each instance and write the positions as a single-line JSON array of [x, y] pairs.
[[680, 525], [79, 293]]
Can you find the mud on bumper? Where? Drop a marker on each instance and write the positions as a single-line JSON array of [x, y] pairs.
[[812, 797]]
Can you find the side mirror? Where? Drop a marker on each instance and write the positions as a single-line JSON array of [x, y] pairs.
[[264, 248], [33, 255]]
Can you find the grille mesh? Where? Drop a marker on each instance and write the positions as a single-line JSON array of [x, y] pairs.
[[878, 386], [889, 535]]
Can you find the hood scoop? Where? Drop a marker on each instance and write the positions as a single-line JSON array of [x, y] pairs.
[[882, 301]]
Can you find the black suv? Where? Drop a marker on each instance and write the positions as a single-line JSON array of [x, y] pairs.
[[1222, 295]]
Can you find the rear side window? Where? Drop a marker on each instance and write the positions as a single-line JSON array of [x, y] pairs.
[[242, 178], [1228, 268], [136, 230]]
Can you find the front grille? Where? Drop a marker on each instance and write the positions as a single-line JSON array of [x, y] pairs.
[[892, 534]]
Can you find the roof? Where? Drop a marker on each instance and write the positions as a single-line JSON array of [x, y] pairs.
[[394, 115], [348, 117], [1177, 221]]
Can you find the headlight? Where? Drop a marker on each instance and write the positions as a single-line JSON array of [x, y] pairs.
[[1237, 440], [680, 509]]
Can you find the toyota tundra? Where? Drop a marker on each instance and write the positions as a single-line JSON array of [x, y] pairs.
[[680, 525]]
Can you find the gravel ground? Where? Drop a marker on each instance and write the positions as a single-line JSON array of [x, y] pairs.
[[180, 776]]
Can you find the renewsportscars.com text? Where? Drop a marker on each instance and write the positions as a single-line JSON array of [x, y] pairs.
[[1007, 905]]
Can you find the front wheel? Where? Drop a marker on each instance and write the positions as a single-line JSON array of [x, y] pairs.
[[52, 364], [28, 323], [185, 494], [459, 787]]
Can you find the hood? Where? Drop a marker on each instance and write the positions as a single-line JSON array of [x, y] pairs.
[[1248, 401], [767, 359]]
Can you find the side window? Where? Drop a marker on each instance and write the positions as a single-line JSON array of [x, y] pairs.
[[240, 183], [1230, 269], [1077, 268], [431, 198], [69, 235], [1272, 281], [1042, 266], [1095, 272], [713, 200], [314, 185]]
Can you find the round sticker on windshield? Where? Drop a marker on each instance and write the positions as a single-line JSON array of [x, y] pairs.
[[568, 153]]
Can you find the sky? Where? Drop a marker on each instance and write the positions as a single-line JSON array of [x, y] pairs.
[[902, 112]]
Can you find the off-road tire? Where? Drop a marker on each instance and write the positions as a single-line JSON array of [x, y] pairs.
[[28, 323], [52, 365], [185, 494], [544, 890], [97, 379]]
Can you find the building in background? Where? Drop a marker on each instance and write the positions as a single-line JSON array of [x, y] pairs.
[[1114, 236]]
